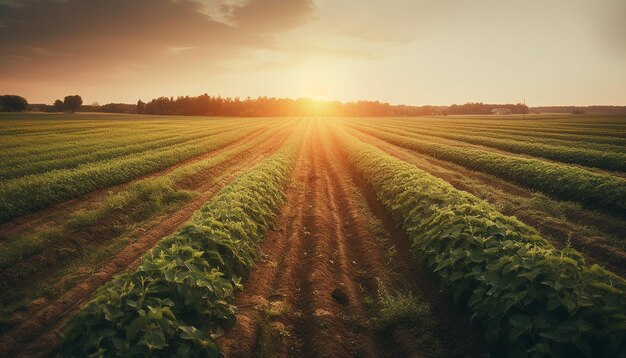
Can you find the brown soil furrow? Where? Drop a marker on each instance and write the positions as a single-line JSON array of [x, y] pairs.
[[452, 328], [323, 263], [57, 213], [339, 329], [308, 261], [282, 249], [612, 258], [41, 331]]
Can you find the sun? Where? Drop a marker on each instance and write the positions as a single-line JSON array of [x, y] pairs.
[[319, 81], [317, 88]]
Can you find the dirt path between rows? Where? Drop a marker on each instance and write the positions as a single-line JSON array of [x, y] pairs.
[[38, 334], [322, 265], [610, 257]]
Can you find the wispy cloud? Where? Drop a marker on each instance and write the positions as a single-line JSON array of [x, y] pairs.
[[178, 50], [268, 16]]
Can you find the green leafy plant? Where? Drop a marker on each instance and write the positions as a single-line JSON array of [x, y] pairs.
[[180, 298], [563, 181], [586, 154], [532, 299], [29, 193]]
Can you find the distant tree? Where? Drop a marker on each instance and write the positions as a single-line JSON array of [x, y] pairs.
[[12, 103], [141, 107], [117, 108], [72, 103], [59, 106], [40, 107]]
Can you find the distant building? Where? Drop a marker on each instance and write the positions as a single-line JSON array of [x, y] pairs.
[[501, 111]]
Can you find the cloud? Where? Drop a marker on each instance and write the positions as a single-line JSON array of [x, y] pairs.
[[54, 39], [178, 50], [269, 16]]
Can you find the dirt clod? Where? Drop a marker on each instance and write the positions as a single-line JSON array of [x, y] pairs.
[[340, 296]]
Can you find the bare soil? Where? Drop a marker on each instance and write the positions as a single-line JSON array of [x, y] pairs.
[[322, 265]]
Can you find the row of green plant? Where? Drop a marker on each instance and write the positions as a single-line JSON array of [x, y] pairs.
[[536, 131], [21, 125], [136, 205], [595, 128], [514, 135], [532, 299], [597, 142], [28, 194], [147, 193], [178, 301], [560, 180], [567, 154], [55, 147], [30, 135], [47, 135], [80, 157], [41, 133], [38, 149], [100, 150]]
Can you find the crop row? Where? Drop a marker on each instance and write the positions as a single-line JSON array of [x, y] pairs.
[[66, 130], [146, 193], [39, 137], [74, 158], [538, 130], [532, 299], [28, 194], [50, 149], [567, 154], [569, 128], [12, 128], [180, 298], [560, 180], [528, 137], [52, 146]]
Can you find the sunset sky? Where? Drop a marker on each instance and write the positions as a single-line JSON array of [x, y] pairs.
[[551, 52]]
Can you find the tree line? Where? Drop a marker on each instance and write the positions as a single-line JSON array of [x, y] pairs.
[[205, 105]]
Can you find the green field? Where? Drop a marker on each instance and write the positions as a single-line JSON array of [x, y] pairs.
[[137, 235]]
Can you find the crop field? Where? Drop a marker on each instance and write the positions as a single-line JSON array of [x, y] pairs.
[[456, 236]]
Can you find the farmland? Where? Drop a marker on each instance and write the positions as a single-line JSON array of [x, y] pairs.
[[142, 235]]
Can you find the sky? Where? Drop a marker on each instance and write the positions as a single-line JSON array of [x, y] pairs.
[[546, 52]]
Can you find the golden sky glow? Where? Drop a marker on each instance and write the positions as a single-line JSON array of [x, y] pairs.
[[399, 51]]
